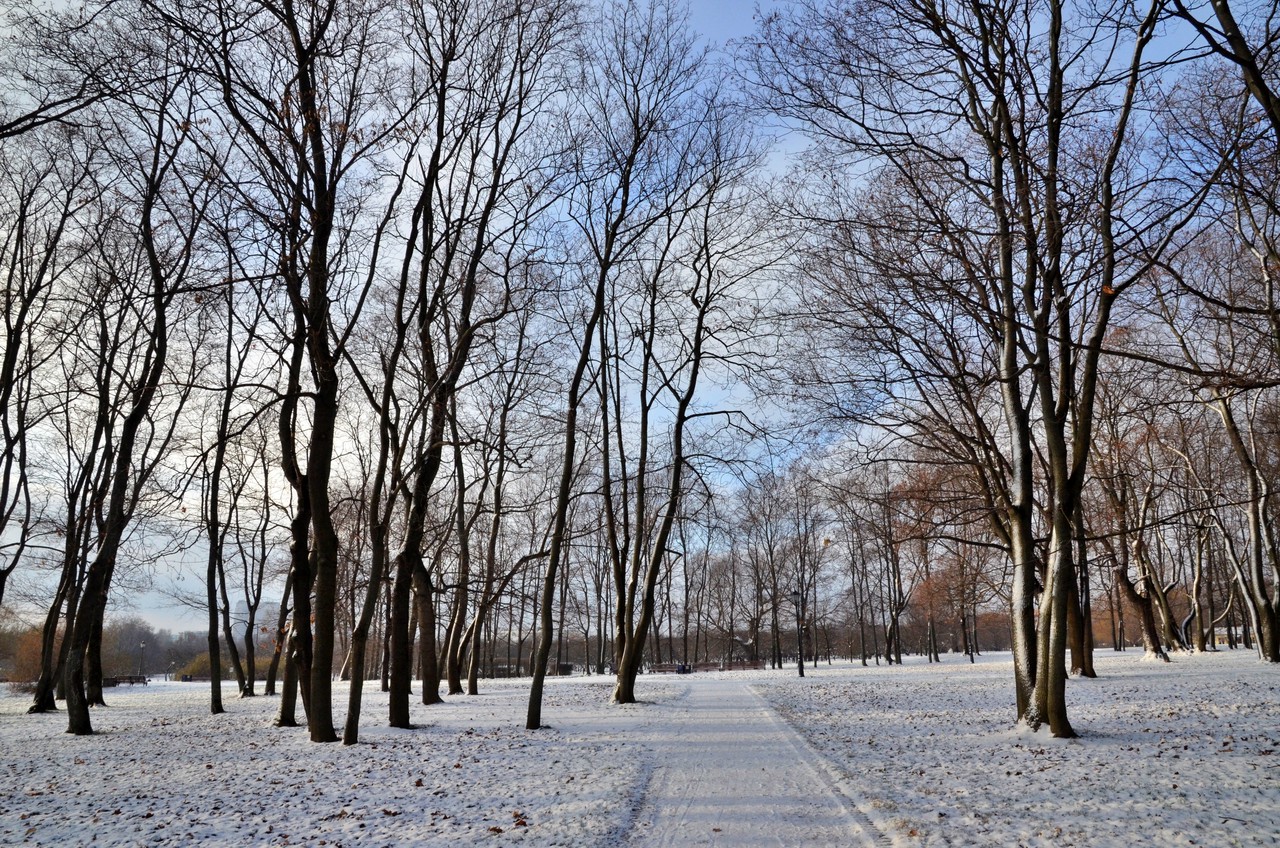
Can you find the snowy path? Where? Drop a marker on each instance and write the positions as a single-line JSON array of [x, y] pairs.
[[730, 772]]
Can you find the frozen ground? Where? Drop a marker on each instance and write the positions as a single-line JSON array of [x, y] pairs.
[[1185, 754]]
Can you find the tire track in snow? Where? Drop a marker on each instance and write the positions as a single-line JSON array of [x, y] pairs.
[[836, 781]]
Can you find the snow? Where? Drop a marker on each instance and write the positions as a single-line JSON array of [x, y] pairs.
[[730, 772], [1169, 755], [1180, 754]]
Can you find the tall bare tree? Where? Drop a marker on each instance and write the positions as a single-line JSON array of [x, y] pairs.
[[488, 76], [990, 274], [686, 313], [635, 111], [143, 262], [305, 95], [44, 182]]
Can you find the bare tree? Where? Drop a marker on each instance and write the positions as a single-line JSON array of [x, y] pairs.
[[479, 177], [686, 316], [1221, 305], [1221, 319], [304, 94], [48, 77], [146, 258], [1253, 53], [641, 74], [46, 180], [986, 153]]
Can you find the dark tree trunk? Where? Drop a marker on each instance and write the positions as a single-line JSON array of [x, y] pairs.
[[288, 714], [425, 597], [1079, 607], [93, 663], [1146, 614], [401, 672]]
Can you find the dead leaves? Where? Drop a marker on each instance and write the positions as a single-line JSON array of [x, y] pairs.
[[518, 820]]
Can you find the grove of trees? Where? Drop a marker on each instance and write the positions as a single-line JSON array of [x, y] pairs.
[[506, 338]]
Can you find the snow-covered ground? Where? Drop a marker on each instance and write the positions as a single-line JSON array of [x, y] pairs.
[[1169, 755], [1181, 754]]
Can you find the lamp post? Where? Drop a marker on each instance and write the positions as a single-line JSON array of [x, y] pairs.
[[142, 653], [797, 600]]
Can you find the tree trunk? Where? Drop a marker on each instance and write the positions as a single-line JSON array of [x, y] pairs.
[[281, 636], [424, 592], [1079, 607], [93, 661], [360, 636], [401, 641], [1146, 614], [213, 645], [288, 714]]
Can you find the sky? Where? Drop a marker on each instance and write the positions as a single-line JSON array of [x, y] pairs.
[[722, 20]]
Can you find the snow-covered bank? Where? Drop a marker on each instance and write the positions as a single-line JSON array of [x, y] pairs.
[[1184, 754]]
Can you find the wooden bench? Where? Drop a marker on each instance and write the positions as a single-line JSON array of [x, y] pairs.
[[743, 665]]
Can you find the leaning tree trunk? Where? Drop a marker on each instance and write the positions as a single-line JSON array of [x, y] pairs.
[[1146, 614], [360, 635], [281, 637], [53, 648], [288, 713]]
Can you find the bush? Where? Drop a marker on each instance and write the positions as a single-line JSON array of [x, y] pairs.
[[24, 665], [199, 667]]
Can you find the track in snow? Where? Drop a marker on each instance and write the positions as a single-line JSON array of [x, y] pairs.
[[730, 772]]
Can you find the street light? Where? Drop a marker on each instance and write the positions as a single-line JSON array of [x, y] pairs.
[[142, 653], [797, 600]]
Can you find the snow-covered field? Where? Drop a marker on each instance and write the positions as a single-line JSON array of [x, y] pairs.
[[164, 772], [1181, 754], [1169, 755]]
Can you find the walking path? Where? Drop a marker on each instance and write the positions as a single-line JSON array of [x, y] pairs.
[[731, 772]]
